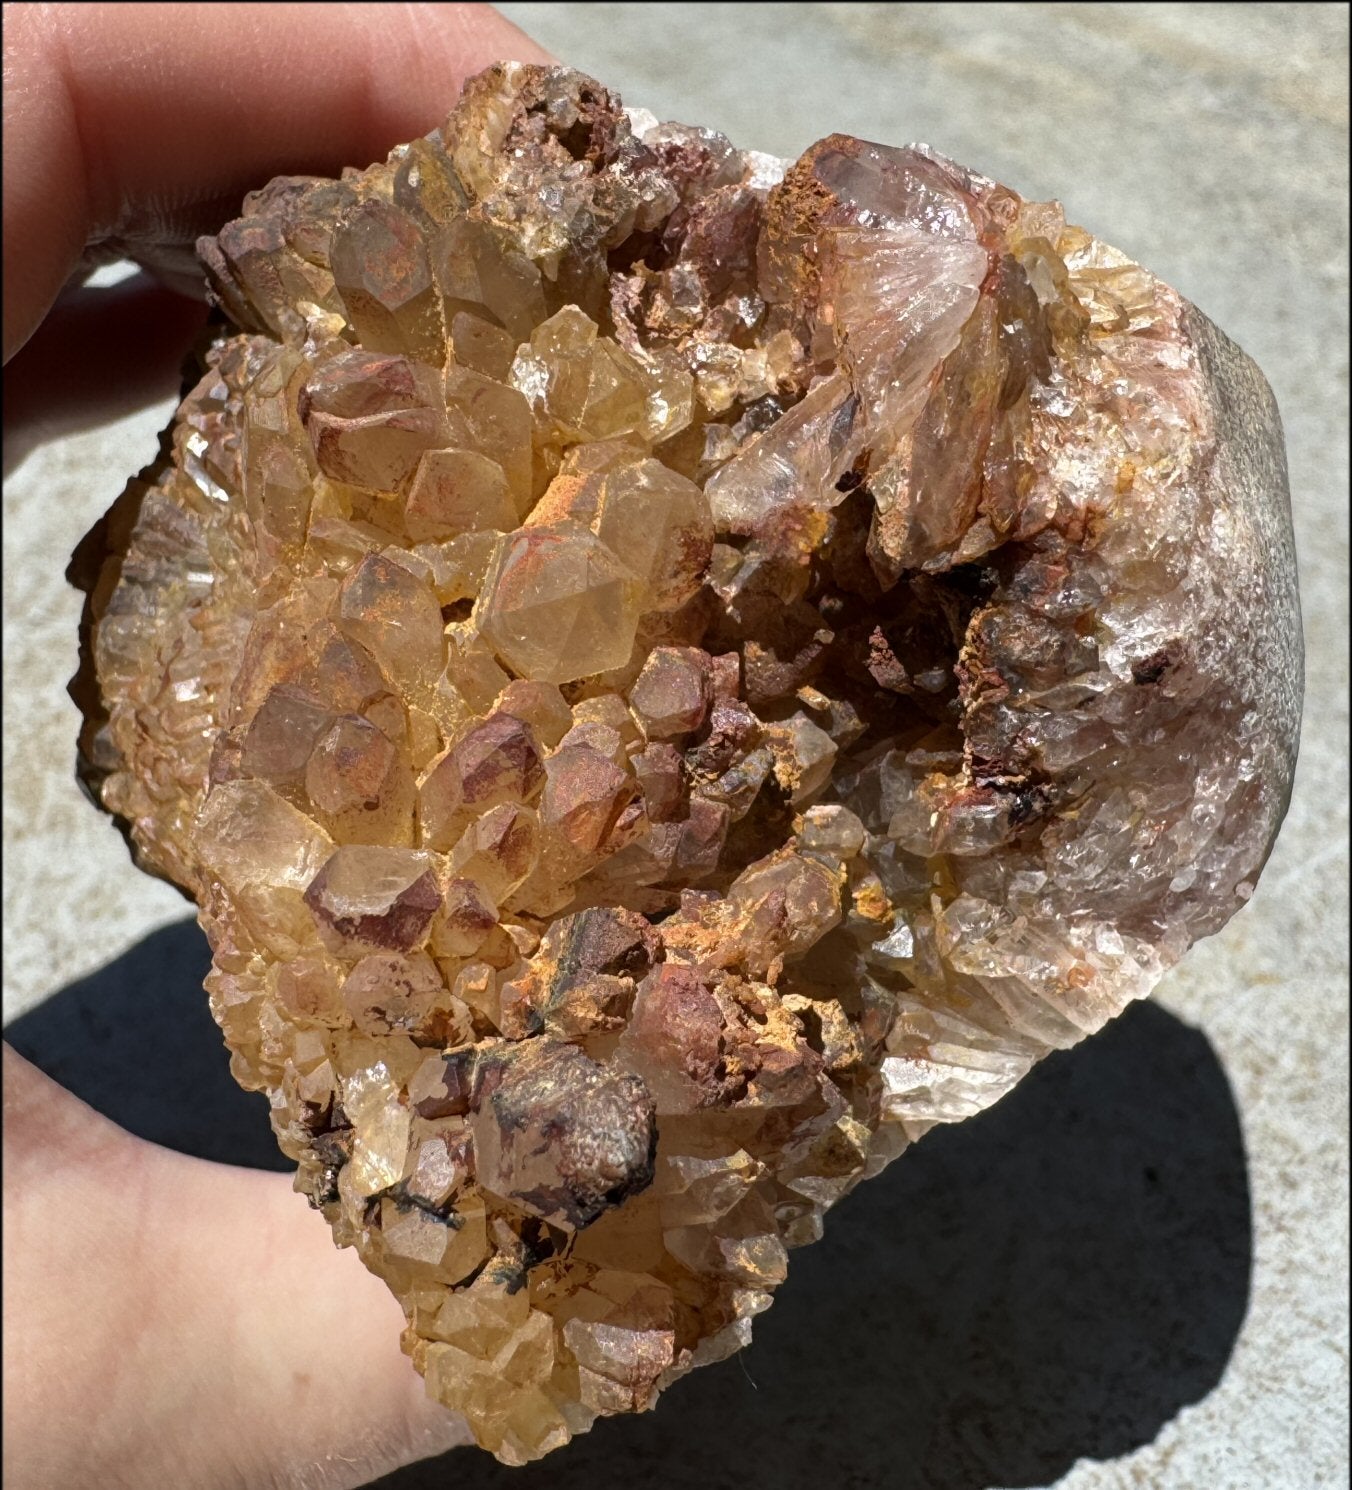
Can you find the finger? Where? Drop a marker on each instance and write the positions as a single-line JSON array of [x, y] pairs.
[[134, 128], [313, 1337], [100, 354], [174, 1322]]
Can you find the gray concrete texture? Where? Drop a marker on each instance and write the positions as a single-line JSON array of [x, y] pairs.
[[1134, 1272]]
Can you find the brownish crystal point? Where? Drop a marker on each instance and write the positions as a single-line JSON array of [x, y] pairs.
[[669, 675]]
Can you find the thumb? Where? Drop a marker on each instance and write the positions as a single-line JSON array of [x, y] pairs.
[[174, 1321]]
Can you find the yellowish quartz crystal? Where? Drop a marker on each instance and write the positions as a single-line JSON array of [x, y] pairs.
[[668, 676], [558, 604]]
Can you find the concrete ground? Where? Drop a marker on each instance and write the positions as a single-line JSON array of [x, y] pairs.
[[1133, 1271]]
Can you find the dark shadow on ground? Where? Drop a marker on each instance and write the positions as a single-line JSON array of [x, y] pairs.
[[1053, 1280], [103, 1036]]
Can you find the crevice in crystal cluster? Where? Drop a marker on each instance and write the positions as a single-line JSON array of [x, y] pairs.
[[669, 675]]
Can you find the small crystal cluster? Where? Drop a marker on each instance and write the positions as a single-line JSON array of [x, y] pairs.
[[667, 677]]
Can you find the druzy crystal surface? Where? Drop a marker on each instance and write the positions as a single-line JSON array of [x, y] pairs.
[[668, 675]]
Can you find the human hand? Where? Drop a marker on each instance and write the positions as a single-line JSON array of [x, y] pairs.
[[130, 130], [168, 1321]]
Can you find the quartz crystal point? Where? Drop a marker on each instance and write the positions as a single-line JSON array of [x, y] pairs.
[[667, 676]]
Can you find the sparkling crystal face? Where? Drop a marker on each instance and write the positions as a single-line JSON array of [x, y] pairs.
[[667, 678]]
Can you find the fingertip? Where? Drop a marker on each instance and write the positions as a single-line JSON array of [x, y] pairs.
[[141, 126]]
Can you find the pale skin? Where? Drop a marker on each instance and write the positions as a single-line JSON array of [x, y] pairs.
[[170, 1321]]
